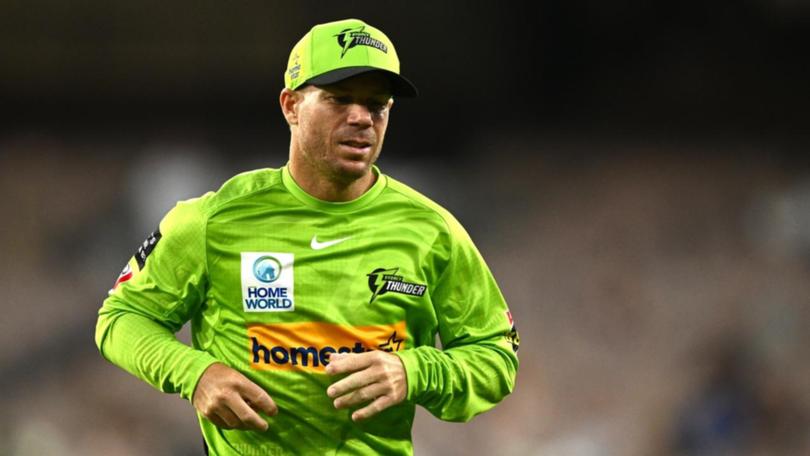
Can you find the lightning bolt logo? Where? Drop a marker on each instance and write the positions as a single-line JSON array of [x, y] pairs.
[[377, 281], [346, 38]]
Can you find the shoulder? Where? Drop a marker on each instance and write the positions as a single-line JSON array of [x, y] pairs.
[[238, 187], [198, 210], [420, 203], [243, 185]]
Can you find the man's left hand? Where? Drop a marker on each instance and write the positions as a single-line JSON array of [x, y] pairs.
[[377, 377]]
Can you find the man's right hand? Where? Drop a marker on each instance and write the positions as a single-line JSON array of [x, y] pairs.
[[230, 400]]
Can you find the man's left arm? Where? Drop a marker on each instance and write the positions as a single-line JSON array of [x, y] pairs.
[[473, 372], [477, 364]]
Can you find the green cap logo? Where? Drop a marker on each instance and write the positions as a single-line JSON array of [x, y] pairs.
[[350, 38], [334, 51]]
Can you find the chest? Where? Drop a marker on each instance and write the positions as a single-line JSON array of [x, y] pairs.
[[297, 267]]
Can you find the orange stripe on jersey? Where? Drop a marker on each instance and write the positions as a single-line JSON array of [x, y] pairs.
[[306, 346]]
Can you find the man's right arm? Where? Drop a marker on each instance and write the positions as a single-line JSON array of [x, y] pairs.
[[150, 351], [162, 287]]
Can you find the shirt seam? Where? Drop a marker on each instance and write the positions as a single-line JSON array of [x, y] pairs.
[[214, 208], [422, 205], [446, 227]]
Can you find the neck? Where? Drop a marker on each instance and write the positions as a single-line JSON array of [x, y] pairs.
[[327, 188]]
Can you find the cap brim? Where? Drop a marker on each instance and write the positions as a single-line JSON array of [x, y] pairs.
[[400, 86]]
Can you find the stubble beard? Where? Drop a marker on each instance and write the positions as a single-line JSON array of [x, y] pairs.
[[327, 162]]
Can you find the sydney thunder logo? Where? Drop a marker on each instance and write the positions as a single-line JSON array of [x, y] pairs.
[[381, 281], [351, 37]]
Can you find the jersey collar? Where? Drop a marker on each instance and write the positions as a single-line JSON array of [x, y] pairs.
[[328, 206]]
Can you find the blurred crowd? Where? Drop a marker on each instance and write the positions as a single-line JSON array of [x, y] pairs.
[[661, 292]]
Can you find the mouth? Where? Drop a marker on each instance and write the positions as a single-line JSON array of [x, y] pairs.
[[356, 146]]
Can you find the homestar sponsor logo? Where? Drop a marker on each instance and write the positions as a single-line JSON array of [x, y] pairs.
[[307, 345], [267, 282]]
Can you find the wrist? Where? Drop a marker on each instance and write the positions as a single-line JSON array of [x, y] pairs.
[[196, 371], [414, 373]]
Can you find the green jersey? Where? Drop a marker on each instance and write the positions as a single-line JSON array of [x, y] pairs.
[[274, 280]]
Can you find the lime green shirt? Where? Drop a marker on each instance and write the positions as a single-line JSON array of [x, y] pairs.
[[273, 280]]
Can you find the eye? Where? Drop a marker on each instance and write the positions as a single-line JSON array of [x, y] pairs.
[[342, 99], [377, 107]]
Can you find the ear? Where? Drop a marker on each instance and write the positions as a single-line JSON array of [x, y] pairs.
[[289, 100]]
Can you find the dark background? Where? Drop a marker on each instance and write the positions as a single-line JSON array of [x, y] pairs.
[[635, 173], [620, 68]]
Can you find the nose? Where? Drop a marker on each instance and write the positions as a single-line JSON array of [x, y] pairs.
[[359, 115]]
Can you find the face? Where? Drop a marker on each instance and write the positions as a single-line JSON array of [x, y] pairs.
[[338, 129]]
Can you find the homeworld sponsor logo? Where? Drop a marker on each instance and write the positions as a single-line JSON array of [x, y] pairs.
[[267, 282], [351, 37], [381, 281], [307, 345]]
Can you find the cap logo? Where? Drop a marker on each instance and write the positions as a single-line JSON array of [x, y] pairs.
[[295, 69], [351, 37]]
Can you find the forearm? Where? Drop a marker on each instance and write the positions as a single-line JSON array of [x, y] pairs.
[[459, 383], [150, 351]]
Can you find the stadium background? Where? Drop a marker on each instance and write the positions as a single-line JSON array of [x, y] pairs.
[[636, 174]]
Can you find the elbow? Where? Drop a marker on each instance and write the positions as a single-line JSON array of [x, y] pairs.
[[511, 376], [103, 325], [490, 389], [506, 373]]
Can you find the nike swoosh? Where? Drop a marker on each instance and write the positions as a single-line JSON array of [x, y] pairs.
[[322, 245]]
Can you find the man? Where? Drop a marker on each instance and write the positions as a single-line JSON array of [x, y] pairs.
[[315, 291]]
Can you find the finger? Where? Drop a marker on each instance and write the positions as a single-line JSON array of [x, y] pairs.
[[247, 416], [361, 395], [341, 363], [350, 383], [334, 356], [257, 398], [227, 416], [379, 404], [217, 421], [263, 403]]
